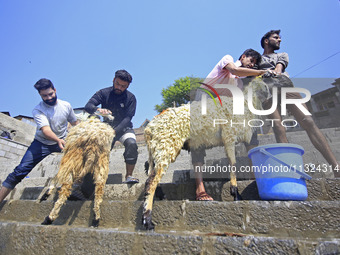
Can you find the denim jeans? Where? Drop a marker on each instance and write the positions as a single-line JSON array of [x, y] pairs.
[[34, 154]]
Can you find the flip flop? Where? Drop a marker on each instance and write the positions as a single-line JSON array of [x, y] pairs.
[[203, 196], [131, 180]]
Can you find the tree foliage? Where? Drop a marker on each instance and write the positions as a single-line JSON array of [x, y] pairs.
[[178, 93]]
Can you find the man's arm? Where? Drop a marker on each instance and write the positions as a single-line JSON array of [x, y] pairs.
[[279, 69], [44, 125], [75, 123], [49, 134], [92, 104], [123, 124], [282, 63], [243, 71], [130, 112]]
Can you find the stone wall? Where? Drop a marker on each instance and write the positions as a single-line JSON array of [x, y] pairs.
[[24, 132], [328, 118], [10, 149], [139, 135]]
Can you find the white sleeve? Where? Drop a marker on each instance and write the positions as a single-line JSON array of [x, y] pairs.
[[40, 119], [71, 117]]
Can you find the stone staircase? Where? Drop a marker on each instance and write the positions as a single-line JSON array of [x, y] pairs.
[[183, 225]]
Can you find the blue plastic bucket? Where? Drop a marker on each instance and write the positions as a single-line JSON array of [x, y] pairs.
[[279, 171]]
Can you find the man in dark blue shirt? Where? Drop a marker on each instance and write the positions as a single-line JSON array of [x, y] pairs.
[[121, 104]]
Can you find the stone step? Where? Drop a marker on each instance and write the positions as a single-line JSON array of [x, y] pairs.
[[318, 189], [50, 165], [309, 219], [28, 238]]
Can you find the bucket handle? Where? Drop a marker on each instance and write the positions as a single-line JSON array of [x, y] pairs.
[[304, 175]]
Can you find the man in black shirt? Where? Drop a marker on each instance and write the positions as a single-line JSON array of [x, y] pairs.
[[121, 104]]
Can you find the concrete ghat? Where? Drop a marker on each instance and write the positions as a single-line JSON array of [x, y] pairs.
[[27, 238]]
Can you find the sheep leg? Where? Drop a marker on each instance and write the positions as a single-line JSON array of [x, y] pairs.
[[230, 151], [150, 188], [147, 218], [100, 177], [64, 193], [46, 193], [148, 201], [233, 187]]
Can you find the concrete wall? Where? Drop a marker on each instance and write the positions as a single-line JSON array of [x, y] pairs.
[[11, 150], [328, 118], [24, 132], [139, 135]]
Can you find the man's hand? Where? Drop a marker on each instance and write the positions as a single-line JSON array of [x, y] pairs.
[[107, 114], [273, 72], [61, 144], [50, 135], [104, 111], [270, 73]]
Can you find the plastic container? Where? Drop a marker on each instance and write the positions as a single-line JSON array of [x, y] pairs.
[[279, 171]]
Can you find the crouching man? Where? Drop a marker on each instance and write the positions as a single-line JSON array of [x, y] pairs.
[[51, 116], [121, 104], [226, 71]]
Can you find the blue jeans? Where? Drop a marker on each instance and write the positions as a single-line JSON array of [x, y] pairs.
[[34, 154]]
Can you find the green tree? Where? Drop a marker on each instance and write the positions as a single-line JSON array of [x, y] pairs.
[[178, 93]]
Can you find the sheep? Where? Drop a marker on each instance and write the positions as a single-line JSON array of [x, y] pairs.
[[167, 132], [87, 150]]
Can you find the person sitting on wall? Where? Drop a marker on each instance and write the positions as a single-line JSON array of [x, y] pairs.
[[278, 62]]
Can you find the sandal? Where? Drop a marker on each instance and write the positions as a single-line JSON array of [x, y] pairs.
[[131, 180], [203, 196]]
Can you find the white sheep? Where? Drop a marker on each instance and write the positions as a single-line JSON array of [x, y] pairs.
[[168, 131], [87, 150]]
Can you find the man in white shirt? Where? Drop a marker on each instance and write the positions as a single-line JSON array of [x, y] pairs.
[[52, 116]]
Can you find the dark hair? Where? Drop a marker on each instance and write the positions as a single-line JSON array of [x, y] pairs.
[[43, 84], [123, 75], [267, 35], [251, 53]]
